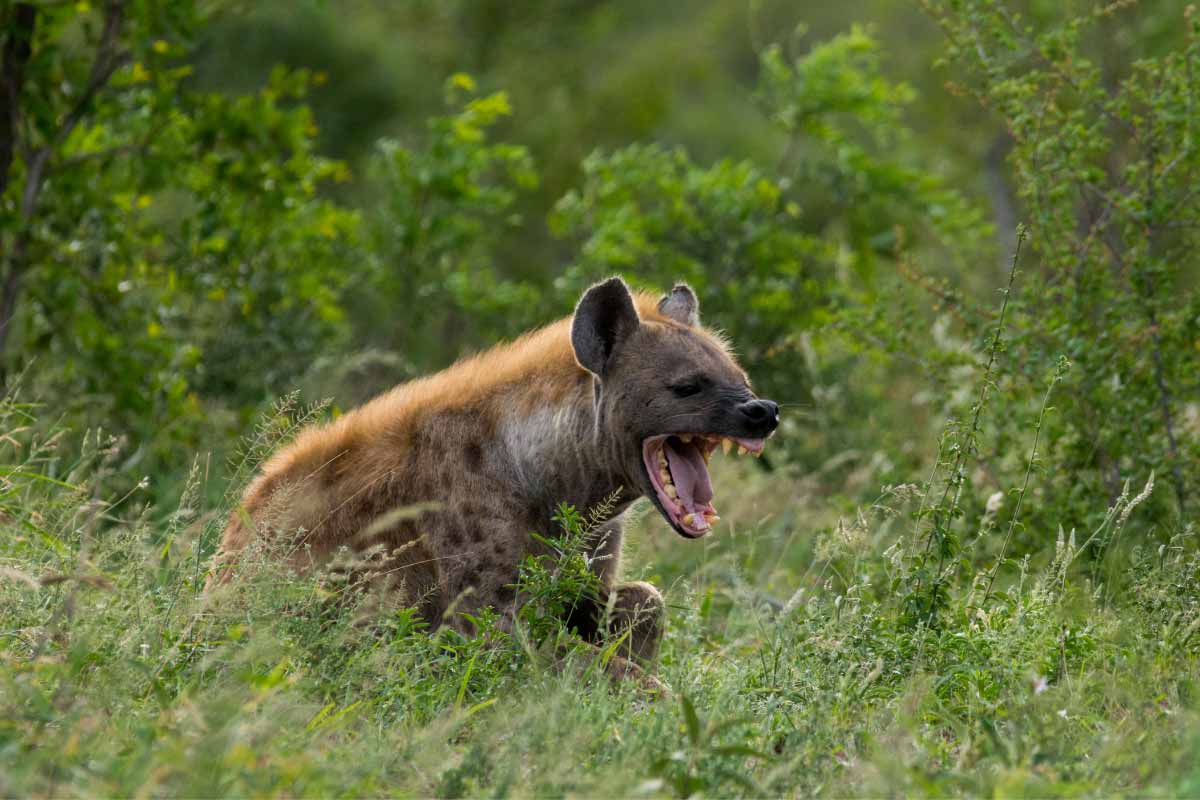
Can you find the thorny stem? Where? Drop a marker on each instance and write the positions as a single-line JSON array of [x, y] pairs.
[[968, 444], [942, 514], [1063, 365]]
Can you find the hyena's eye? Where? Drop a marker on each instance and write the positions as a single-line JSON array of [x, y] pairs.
[[688, 387]]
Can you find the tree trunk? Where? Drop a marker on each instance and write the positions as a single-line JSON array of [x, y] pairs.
[[17, 49]]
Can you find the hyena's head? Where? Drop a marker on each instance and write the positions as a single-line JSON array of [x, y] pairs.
[[669, 393]]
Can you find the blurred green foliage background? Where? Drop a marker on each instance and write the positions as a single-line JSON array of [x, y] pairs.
[[209, 204]]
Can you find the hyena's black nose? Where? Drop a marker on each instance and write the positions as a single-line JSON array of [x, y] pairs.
[[763, 415]]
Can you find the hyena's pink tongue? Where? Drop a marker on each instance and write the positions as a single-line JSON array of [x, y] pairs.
[[690, 474]]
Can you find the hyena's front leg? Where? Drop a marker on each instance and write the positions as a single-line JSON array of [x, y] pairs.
[[636, 609], [634, 612]]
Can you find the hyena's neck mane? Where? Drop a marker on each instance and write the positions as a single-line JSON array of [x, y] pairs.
[[537, 370]]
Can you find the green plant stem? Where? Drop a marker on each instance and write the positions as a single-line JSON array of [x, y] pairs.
[[1016, 515]]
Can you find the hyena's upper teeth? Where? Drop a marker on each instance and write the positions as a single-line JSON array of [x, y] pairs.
[[726, 445], [685, 437], [742, 450]]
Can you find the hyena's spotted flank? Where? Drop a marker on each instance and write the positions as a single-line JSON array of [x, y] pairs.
[[628, 397]]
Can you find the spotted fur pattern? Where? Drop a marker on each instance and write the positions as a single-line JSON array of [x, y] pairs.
[[488, 448]]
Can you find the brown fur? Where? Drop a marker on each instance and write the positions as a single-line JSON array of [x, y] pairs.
[[496, 441]]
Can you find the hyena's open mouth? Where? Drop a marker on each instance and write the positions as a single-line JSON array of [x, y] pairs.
[[678, 468]]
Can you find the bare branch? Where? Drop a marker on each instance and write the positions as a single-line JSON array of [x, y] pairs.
[[108, 60]]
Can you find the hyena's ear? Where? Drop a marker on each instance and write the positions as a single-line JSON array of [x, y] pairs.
[[681, 305], [603, 319]]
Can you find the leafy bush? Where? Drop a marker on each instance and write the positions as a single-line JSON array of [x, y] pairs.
[[150, 230], [439, 210], [1105, 169]]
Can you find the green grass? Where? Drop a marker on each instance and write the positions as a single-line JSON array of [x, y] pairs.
[[795, 664]]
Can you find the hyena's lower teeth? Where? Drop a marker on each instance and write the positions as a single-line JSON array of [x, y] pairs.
[[689, 519], [665, 475], [671, 493], [712, 519]]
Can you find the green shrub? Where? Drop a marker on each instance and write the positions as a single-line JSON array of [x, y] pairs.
[[150, 230], [1104, 166], [439, 209]]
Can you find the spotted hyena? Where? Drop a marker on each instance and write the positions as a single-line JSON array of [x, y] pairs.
[[629, 397]]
